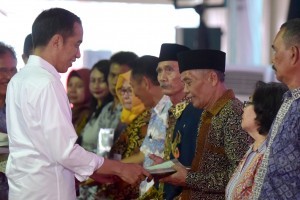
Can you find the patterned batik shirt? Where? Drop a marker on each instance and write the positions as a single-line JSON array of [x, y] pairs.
[[279, 174], [127, 145], [221, 144]]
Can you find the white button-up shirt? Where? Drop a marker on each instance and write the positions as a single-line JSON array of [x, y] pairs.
[[43, 155]]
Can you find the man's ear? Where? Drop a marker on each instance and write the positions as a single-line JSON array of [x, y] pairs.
[[56, 41], [295, 55], [25, 58], [146, 83], [213, 78]]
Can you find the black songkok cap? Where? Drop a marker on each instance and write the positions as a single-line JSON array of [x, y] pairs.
[[169, 51], [202, 59]]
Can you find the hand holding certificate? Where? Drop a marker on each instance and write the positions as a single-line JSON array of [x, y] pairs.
[[171, 171], [163, 169]]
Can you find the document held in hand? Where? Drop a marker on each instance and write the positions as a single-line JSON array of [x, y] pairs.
[[163, 168]]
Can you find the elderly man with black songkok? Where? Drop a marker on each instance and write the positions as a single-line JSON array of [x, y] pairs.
[[221, 142]]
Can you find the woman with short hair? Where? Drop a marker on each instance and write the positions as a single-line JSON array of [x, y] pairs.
[[259, 113]]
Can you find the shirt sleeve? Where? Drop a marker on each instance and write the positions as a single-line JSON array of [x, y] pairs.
[[59, 134]]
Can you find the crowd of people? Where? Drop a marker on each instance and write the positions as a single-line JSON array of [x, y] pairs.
[[96, 138]]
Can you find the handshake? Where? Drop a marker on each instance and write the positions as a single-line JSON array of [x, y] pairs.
[[113, 170]]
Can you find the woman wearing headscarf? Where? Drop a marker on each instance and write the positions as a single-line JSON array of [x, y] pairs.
[[135, 117], [80, 97]]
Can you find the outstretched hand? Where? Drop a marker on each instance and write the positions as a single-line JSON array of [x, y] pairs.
[[177, 178], [128, 172], [134, 173]]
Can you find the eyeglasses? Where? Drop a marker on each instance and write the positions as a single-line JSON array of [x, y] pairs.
[[247, 103], [124, 91]]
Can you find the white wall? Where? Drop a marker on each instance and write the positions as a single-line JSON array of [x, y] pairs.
[[138, 27], [108, 27]]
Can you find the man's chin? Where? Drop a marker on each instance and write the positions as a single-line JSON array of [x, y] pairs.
[[62, 69]]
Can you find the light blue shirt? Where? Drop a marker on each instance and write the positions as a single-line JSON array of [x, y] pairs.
[[154, 142]]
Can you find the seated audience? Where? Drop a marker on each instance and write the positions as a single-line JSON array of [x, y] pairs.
[[259, 113]]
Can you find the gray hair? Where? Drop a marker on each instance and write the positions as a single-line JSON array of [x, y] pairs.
[[291, 35]]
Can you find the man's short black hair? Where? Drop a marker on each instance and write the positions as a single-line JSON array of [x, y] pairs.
[[28, 45], [145, 66], [53, 21], [124, 58]]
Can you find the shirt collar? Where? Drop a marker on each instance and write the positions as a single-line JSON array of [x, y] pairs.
[[228, 95], [38, 61], [177, 109], [261, 148], [295, 94]]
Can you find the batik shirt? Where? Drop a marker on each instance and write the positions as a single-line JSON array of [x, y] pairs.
[[279, 174], [127, 145], [221, 144]]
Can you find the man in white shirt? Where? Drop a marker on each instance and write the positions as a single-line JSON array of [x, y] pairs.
[[43, 156]]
